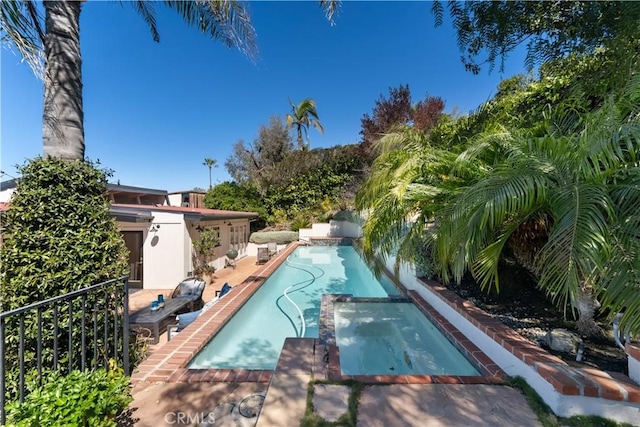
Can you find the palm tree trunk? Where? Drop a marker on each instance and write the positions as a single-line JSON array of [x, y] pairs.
[[586, 304], [63, 117]]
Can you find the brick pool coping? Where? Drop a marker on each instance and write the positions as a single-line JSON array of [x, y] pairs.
[[169, 363], [565, 379]]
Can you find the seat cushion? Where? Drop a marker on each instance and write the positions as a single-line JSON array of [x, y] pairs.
[[186, 319]]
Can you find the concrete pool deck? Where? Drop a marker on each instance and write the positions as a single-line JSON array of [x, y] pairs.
[[182, 399]]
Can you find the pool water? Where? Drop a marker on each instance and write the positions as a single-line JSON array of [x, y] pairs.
[[393, 338], [253, 337]]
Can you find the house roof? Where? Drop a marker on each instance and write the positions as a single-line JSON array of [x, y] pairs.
[[191, 214], [144, 213], [117, 188]]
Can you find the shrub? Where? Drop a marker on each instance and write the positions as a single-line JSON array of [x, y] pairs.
[[280, 237], [89, 398], [60, 236], [301, 220], [204, 250]]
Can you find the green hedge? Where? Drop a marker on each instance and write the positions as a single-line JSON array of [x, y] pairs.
[[89, 398], [280, 237]]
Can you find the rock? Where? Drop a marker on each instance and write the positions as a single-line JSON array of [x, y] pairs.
[[562, 340]]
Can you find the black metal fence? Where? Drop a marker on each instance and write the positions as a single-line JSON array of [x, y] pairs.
[[80, 330]]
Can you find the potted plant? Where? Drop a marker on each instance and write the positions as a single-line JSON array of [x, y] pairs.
[[204, 253]]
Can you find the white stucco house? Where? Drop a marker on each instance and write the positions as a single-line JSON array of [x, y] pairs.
[[159, 234]]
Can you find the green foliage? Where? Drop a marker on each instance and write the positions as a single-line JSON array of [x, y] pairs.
[[551, 29], [304, 179], [301, 220], [89, 398], [60, 237], [59, 234], [204, 247], [280, 237], [232, 196], [251, 164]]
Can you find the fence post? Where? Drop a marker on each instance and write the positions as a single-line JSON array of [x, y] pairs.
[[125, 327]]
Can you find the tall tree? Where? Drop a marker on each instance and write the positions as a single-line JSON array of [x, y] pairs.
[[271, 145], [397, 110], [63, 120], [549, 29], [210, 163], [303, 116]]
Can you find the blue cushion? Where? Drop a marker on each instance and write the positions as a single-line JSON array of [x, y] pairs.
[[225, 289], [186, 319]]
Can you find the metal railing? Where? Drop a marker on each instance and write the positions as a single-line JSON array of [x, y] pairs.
[[81, 330]]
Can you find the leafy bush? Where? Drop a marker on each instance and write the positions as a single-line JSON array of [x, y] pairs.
[[301, 220], [89, 398], [60, 237], [280, 237], [204, 248], [232, 196]]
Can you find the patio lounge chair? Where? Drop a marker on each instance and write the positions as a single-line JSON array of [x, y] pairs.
[[273, 248], [192, 290], [263, 255], [185, 319]]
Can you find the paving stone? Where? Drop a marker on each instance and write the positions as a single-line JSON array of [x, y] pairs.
[[286, 401], [330, 402], [444, 405]]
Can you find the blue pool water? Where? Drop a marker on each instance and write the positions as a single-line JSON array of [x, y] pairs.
[[253, 338], [388, 338]]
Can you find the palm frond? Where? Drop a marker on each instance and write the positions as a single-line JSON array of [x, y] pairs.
[[146, 9], [21, 26], [224, 20], [330, 8]]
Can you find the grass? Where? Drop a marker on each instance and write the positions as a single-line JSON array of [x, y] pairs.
[[349, 419], [547, 417]]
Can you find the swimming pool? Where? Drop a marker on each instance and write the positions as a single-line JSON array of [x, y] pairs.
[[393, 338], [288, 305]]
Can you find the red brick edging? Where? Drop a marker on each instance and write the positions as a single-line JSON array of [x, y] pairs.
[[169, 363], [565, 379]]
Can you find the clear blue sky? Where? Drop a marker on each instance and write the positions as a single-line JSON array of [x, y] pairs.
[[154, 111]]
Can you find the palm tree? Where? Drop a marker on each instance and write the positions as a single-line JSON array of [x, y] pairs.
[[402, 193], [572, 185], [57, 34], [63, 127], [210, 163], [302, 116]]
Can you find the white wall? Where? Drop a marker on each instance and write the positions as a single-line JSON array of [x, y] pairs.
[[332, 229], [175, 199], [5, 195], [634, 368], [164, 260]]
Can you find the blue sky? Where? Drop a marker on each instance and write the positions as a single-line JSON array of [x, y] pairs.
[[154, 111]]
